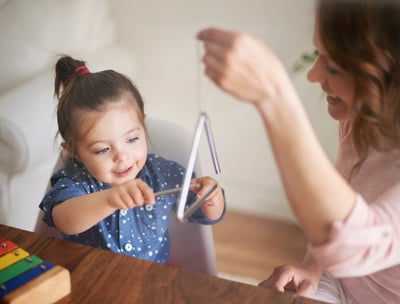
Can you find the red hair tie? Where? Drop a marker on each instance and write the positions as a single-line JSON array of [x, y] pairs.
[[82, 70]]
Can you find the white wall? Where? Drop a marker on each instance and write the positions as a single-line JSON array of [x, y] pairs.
[[32, 33], [161, 35]]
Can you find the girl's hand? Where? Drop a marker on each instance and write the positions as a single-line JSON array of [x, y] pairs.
[[213, 206], [302, 281], [131, 194], [80, 213]]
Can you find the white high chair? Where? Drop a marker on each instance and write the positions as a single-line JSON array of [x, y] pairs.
[[192, 245]]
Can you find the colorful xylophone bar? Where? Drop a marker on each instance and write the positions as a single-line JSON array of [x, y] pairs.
[[26, 278]]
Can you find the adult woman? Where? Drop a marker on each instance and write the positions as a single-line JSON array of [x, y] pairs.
[[348, 213]]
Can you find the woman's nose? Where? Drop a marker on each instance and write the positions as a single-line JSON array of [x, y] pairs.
[[314, 74]]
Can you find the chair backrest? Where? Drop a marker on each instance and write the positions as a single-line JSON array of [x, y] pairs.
[[192, 245]]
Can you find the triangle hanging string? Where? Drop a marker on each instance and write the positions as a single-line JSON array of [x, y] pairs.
[[202, 100]]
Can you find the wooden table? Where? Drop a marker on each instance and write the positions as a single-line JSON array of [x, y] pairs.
[[99, 276]]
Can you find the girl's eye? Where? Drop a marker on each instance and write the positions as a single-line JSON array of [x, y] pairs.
[[101, 151], [133, 139]]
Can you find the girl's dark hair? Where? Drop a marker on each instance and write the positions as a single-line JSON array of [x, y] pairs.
[[79, 90], [363, 38]]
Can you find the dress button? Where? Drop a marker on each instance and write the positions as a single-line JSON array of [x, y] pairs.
[[128, 247], [149, 207], [123, 212]]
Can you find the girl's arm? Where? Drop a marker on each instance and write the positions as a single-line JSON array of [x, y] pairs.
[[243, 67], [80, 213]]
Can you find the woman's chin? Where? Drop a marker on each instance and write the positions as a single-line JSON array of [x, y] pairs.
[[338, 112]]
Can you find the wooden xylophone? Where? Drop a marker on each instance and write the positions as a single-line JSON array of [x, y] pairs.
[[26, 278]]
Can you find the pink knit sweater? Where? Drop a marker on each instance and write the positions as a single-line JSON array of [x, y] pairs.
[[364, 250]]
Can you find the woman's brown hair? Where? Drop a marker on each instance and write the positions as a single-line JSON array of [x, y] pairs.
[[363, 38]]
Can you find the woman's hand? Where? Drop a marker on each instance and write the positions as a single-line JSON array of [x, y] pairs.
[[213, 206], [131, 194], [242, 65], [303, 281]]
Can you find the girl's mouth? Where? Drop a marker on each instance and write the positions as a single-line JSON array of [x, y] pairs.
[[123, 172]]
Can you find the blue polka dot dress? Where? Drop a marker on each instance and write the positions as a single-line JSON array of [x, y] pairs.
[[140, 232]]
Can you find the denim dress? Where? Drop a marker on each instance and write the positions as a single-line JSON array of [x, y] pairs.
[[140, 232]]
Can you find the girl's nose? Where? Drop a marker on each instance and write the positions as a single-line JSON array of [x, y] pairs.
[[120, 155]]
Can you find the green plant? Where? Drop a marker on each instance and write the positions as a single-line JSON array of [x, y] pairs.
[[306, 59]]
